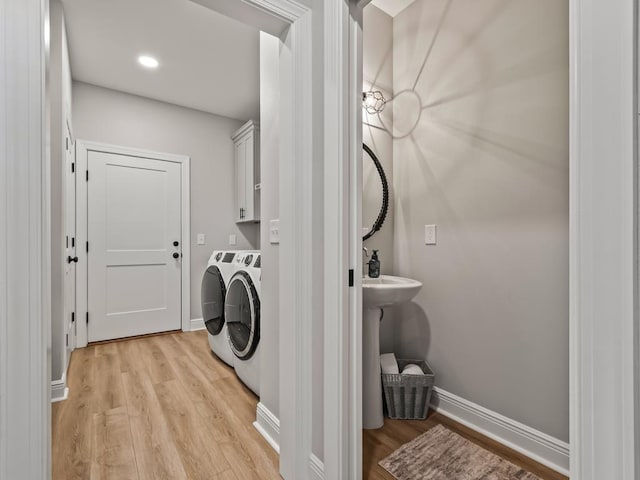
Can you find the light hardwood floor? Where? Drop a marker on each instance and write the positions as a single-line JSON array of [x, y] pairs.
[[377, 444], [160, 407], [164, 407]]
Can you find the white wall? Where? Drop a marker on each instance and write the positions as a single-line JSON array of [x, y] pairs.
[[107, 116], [60, 98], [487, 163], [377, 59], [377, 53], [270, 210]]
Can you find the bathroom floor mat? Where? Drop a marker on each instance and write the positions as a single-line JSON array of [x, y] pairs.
[[441, 454]]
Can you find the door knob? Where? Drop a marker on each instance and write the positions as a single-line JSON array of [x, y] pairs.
[[176, 243], [176, 255], [72, 259]]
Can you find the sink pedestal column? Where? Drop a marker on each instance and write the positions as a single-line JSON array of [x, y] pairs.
[[372, 416]]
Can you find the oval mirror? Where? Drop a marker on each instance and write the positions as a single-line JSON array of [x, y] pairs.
[[375, 193]]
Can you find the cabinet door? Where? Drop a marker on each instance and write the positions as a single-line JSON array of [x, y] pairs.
[[241, 196], [248, 178]]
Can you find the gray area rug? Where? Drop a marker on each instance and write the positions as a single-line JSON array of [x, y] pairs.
[[441, 454]]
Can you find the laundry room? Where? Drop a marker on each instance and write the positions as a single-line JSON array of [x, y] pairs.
[[164, 131]]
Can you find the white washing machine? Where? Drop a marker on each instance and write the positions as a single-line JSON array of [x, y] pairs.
[[242, 314], [215, 280]]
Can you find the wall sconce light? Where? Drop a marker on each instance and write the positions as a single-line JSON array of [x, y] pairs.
[[373, 101]]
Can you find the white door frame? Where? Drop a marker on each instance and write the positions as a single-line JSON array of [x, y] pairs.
[[83, 147], [604, 244], [25, 242], [343, 240]]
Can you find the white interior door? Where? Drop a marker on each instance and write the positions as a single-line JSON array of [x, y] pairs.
[[69, 288], [134, 235]]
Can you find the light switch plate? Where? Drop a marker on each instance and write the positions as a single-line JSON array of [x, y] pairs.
[[274, 231], [201, 239], [232, 239], [430, 235]]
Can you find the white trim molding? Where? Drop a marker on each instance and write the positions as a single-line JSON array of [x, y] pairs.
[[287, 10], [59, 389], [196, 324], [342, 240], [268, 425], [316, 468], [25, 242], [534, 444], [297, 224], [603, 171]]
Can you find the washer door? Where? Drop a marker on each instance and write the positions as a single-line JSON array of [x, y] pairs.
[[242, 314], [212, 298]]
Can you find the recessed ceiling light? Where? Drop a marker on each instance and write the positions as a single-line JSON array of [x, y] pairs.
[[147, 61]]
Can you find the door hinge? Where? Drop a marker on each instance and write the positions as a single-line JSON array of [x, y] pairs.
[[87, 175], [73, 317], [73, 167], [87, 318], [87, 246], [67, 339], [351, 277], [73, 242], [66, 146], [66, 244]]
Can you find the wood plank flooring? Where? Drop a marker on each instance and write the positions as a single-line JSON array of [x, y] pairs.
[[164, 407], [154, 408], [377, 444]]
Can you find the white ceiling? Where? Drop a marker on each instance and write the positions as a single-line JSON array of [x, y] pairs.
[[207, 61], [392, 7]]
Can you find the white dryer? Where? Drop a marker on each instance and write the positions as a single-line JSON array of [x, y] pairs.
[[215, 280], [242, 314]]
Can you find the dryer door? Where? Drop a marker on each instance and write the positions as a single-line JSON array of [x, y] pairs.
[[212, 298], [242, 314]]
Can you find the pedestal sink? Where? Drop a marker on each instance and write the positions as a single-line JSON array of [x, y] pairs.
[[378, 293]]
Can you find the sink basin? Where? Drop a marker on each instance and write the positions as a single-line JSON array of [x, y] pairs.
[[378, 293], [388, 290]]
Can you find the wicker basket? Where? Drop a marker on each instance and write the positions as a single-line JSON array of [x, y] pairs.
[[408, 396]]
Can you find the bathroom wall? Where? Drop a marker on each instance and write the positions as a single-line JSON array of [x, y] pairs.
[[377, 74], [481, 151], [377, 52], [107, 116]]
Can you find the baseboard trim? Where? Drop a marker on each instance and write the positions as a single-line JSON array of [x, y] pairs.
[[196, 324], [59, 389], [268, 425], [316, 468], [536, 445]]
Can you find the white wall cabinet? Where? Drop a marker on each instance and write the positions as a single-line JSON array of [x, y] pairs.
[[247, 172]]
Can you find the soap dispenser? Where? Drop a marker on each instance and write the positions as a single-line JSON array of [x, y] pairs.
[[374, 265]]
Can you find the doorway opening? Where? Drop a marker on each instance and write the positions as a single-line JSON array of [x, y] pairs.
[[468, 114]]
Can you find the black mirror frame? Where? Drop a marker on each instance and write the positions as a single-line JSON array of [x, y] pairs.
[[382, 215]]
